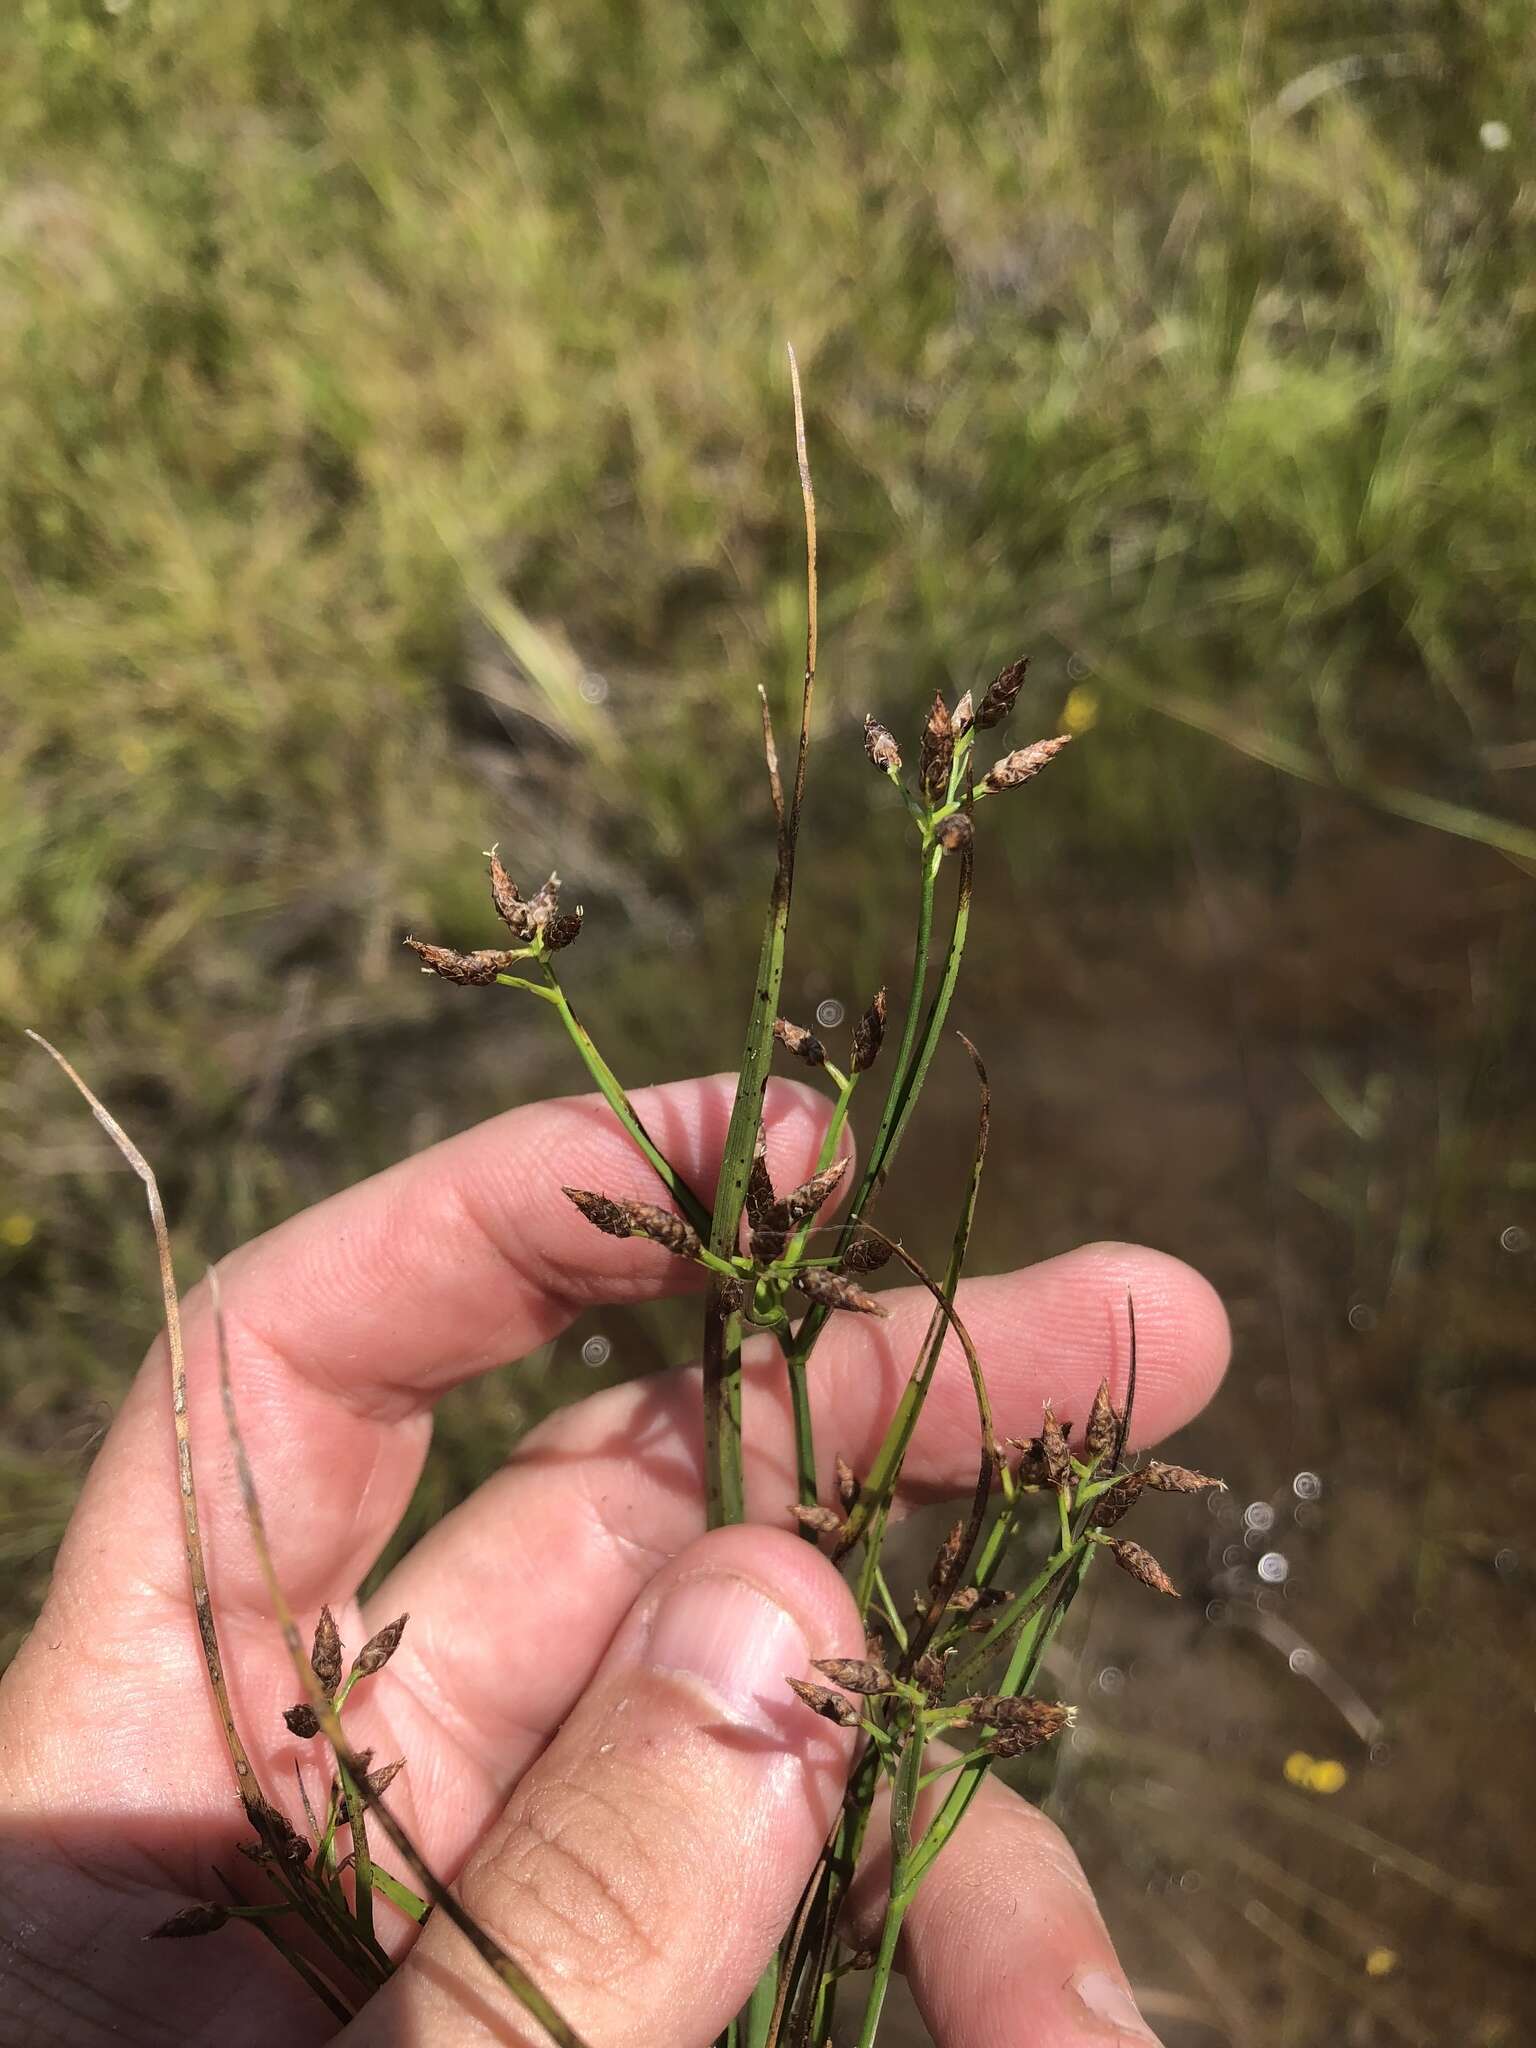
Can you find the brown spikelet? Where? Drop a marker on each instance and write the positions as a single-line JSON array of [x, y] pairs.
[[206, 1919], [1053, 1446], [1103, 1425], [603, 1214], [956, 833], [760, 1195], [866, 1254], [325, 1654], [561, 932], [282, 1840], [778, 1223], [964, 1600], [1179, 1479], [854, 1675], [1031, 1721], [833, 1290], [1019, 1740], [928, 1672], [848, 1486], [832, 1706], [468, 970], [1142, 1565], [1023, 764], [545, 903], [823, 1520], [937, 753], [379, 1781], [302, 1720], [510, 907], [869, 1034], [1002, 694], [963, 717], [1113, 1506], [663, 1226], [805, 1045], [380, 1647], [732, 1296], [881, 747], [1032, 1469]]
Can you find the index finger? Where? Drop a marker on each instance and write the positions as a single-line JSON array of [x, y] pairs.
[[348, 1321]]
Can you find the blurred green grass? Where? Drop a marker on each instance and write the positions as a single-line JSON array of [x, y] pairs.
[[393, 456]]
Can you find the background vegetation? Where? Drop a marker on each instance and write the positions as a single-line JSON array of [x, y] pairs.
[[393, 458]]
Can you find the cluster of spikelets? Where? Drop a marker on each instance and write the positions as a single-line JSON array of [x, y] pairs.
[[946, 788], [308, 1869], [1092, 1483]]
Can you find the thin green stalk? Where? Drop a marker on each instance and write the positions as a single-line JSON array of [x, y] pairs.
[[613, 1094], [1031, 1647], [362, 1862], [794, 1364], [903, 1814], [722, 1327]]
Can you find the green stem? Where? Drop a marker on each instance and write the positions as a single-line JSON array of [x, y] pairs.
[[794, 1363], [903, 1813], [613, 1094]]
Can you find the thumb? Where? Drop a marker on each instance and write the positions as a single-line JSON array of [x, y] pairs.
[[646, 1866]]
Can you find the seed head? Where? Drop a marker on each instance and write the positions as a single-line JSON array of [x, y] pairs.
[[664, 1226], [866, 1254], [1142, 1565], [325, 1654], [937, 753], [928, 1672], [1023, 764], [833, 1290], [822, 1520], [544, 903], [805, 1045], [468, 970], [956, 834], [869, 1034], [963, 717], [854, 1675], [1099, 1437], [760, 1195], [1179, 1479], [1037, 1720], [510, 907], [205, 1919], [380, 1647], [881, 747], [1113, 1506], [1002, 694], [1053, 1446], [778, 1224], [602, 1213], [560, 932], [732, 1296], [831, 1706], [302, 1720]]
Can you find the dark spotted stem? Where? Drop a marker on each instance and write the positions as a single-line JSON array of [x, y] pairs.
[[722, 1324]]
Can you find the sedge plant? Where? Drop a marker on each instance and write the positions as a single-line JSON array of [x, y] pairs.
[[948, 1685]]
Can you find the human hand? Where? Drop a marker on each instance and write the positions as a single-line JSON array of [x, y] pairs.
[[590, 1696]]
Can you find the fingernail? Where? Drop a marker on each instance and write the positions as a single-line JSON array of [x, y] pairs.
[[1108, 2000], [733, 1640]]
